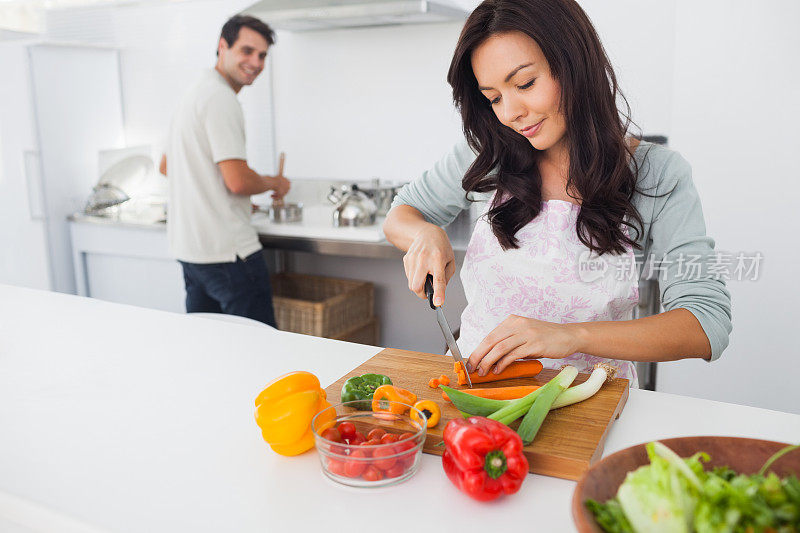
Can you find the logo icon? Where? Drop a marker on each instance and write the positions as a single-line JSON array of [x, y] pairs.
[[591, 267]]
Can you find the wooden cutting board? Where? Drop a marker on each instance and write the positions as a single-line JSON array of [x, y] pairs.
[[570, 440]]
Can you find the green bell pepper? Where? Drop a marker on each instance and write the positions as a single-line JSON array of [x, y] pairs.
[[361, 389]]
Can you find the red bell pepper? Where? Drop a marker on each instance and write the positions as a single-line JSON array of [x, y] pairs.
[[483, 457]]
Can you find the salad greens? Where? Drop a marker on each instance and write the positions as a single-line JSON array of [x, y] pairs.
[[673, 494]]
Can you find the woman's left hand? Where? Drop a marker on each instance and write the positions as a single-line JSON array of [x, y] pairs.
[[517, 337]]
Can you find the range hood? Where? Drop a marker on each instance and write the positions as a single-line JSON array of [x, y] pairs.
[[310, 15]]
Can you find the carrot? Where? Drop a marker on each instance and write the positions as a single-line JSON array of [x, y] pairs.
[[499, 393], [433, 383], [517, 369], [444, 380]]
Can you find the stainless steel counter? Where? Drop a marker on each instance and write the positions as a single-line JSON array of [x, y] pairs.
[[373, 250]]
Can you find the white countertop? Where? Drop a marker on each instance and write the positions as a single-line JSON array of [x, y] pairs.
[[317, 223], [117, 418]]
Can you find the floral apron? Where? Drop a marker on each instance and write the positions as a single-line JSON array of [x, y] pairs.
[[552, 276]]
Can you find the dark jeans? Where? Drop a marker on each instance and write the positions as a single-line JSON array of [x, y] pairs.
[[241, 288]]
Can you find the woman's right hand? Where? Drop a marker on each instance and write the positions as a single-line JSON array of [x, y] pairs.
[[430, 253]]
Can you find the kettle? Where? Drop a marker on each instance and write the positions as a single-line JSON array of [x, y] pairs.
[[354, 207]]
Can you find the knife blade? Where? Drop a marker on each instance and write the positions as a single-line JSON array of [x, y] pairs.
[[445, 327]]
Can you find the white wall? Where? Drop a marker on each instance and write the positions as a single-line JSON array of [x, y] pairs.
[[735, 116], [352, 104]]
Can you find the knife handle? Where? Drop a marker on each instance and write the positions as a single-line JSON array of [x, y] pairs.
[[429, 290]]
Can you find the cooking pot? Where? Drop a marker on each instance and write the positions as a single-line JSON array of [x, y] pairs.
[[382, 195], [283, 212]]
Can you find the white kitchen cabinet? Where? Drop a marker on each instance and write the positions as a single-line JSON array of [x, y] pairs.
[[22, 234], [126, 264], [78, 112]]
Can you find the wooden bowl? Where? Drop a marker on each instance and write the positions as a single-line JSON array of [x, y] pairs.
[[745, 456]]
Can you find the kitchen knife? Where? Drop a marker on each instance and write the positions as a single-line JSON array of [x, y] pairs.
[[445, 327]]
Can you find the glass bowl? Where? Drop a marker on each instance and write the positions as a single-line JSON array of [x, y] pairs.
[[361, 461]]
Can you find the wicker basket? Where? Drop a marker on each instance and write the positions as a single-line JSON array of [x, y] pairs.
[[320, 306]]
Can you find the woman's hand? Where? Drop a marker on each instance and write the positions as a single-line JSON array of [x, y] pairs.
[[430, 252], [517, 337]]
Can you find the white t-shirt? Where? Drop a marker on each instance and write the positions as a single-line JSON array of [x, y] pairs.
[[206, 223]]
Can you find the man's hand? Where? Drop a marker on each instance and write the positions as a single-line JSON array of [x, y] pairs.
[[279, 186], [241, 179]]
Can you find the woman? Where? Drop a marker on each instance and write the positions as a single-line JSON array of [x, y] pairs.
[[569, 201]]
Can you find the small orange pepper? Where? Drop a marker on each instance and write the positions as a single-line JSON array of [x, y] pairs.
[[394, 394], [430, 411]]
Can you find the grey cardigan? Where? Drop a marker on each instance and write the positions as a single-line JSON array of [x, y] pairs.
[[674, 228]]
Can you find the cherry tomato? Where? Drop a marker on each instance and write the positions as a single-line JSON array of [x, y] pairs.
[[376, 433], [347, 430], [338, 450], [336, 466], [372, 442], [332, 434], [380, 462], [388, 438], [404, 436], [357, 440], [366, 448], [372, 473], [356, 465], [407, 459], [395, 471]]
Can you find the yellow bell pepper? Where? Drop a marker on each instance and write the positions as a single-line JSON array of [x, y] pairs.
[[284, 410]]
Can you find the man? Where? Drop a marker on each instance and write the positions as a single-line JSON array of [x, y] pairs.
[[210, 183]]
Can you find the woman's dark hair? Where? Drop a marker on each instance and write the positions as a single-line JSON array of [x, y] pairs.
[[230, 30], [599, 155]]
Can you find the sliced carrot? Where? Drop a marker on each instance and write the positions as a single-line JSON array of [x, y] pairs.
[[499, 393], [517, 369], [433, 383], [444, 380]]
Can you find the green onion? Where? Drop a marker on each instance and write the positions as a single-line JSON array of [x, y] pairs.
[[516, 408], [520, 407], [601, 373], [541, 406]]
